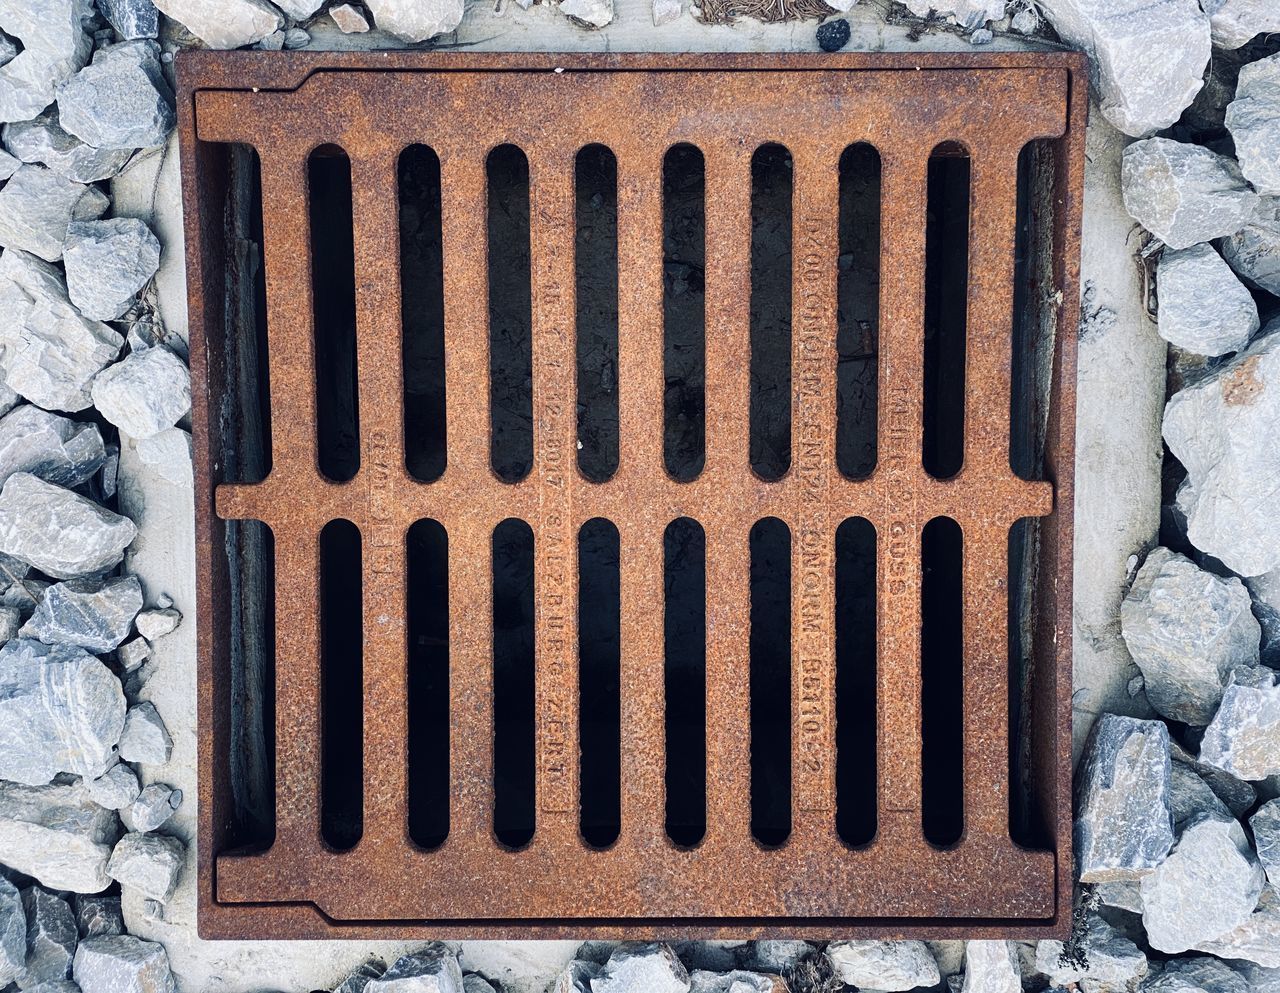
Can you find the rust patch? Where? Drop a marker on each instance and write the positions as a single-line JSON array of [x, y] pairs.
[[1242, 386]]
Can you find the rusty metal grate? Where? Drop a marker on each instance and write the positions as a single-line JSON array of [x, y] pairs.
[[286, 880]]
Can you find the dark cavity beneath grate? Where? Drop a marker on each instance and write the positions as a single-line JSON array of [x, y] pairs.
[[607, 508]]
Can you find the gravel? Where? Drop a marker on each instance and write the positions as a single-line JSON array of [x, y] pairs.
[[51, 937], [122, 964], [576, 977], [13, 932], [1196, 975], [57, 449], [1257, 939], [350, 19], [734, 981], [57, 834], [1254, 251], [642, 968], [418, 20], [153, 807], [1204, 307], [1190, 796], [132, 18], [93, 614], [43, 140], [108, 262], [115, 789], [59, 532], [37, 205], [120, 100], [144, 394], [884, 965], [1265, 824], [145, 739], [1244, 737], [54, 44], [153, 624], [594, 13], [1253, 118], [147, 863], [991, 967], [1102, 959], [224, 23], [98, 914], [433, 969]]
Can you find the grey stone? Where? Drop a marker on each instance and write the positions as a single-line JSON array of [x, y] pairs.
[[145, 739], [776, 955], [57, 449], [349, 18], [8, 165], [1204, 307], [1123, 896], [54, 45], [1265, 824], [51, 937], [57, 834], [148, 863], [296, 38], [358, 980], [108, 262], [120, 100], [55, 986], [1196, 975], [991, 967], [1104, 960], [9, 49], [13, 932], [983, 36], [1124, 822], [1265, 591], [715, 955], [594, 13], [42, 140], [131, 18], [1260, 979], [1184, 194], [299, 10], [666, 11], [1253, 118], [273, 42], [133, 653], [25, 596], [168, 454], [1254, 251], [636, 967], [145, 394], [1220, 429], [883, 965], [115, 789], [122, 964], [1146, 57], [153, 624], [1256, 939], [8, 398], [1208, 885], [49, 352], [61, 710], [576, 977], [61, 533], [967, 13], [949, 954], [433, 969], [1187, 629], [224, 23], [1244, 737], [416, 20], [10, 621], [1190, 796], [37, 205], [154, 806], [474, 983], [734, 981], [1238, 795], [1234, 22], [93, 614], [98, 914]]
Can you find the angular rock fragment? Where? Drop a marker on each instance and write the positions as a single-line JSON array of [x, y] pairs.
[[148, 863], [1184, 194], [145, 394], [1265, 824], [1125, 896], [224, 23], [1265, 591], [108, 262], [115, 789], [1256, 939], [1187, 629], [1234, 22], [1253, 118], [57, 834], [93, 614], [49, 352], [433, 969], [416, 20], [25, 596], [358, 980], [296, 38], [349, 18], [153, 624], [42, 140], [636, 967], [145, 739], [132, 19], [1254, 251], [1190, 796], [133, 653], [666, 11], [8, 165], [61, 710], [13, 932], [10, 622], [884, 965], [1204, 307], [98, 915], [154, 806], [299, 10], [576, 977], [54, 45], [1196, 975], [1244, 737], [1146, 57], [169, 454], [1124, 824], [37, 204], [59, 532], [1208, 885], [122, 964], [51, 937], [595, 13], [1103, 959], [120, 100], [473, 983], [57, 449], [968, 14], [734, 981], [776, 955], [991, 967]]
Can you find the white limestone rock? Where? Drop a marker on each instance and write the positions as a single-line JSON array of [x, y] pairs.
[[1125, 896], [968, 14], [1204, 307], [59, 532], [10, 622], [576, 977], [108, 262], [593, 13], [1221, 428], [49, 352], [349, 18], [122, 964], [54, 45], [776, 955], [97, 914], [1105, 960], [1146, 57], [148, 863], [299, 10], [433, 969], [665, 11], [13, 932], [92, 614], [115, 789], [1190, 796], [416, 20], [1196, 975], [991, 967], [132, 19], [145, 739], [1208, 885], [1124, 822], [1265, 824], [734, 981], [1253, 118], [51, 937], [1254, 251], [153, 807], [154, 624], [57, 834], [358, 980], [144, 394], [37, 205], [1184, 194], [43, 140], [120, 100], [1244, 737], [57, 449], [636, 967], [133, 653], [892, 966], [1232, 23], [225, 23], [1256, 939], [168, 454]]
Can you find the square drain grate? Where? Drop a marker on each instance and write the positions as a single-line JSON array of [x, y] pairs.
[[634, 492]]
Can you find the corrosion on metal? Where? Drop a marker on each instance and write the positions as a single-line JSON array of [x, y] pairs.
[[373, 105]]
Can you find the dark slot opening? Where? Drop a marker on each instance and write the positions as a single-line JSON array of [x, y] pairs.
[[342, 689], [684, 629], [856, 681], [942, 680], [1032, 343], [428, 632], [770, 681], [513, 685], [771, 311], [858, 311], [946, 297], [333, 291], [510, 315], [596, 269], [684, 311], [599, 728], [422, 312], [1023, 547]]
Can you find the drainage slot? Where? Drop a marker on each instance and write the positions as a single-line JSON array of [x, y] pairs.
[[1033, 312], [342, 691], [513, 683], [858, 311], [333, 292], [770, 681], [856, 681], [596, 266], [771, 311], [510, 315], [684, 311], [946, 297], [427, 610], [684, 630], [1024, 548], [422, 312], [598, 667], [942, 680]]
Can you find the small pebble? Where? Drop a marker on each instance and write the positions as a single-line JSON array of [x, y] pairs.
[[833, 35], [982, 36]]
